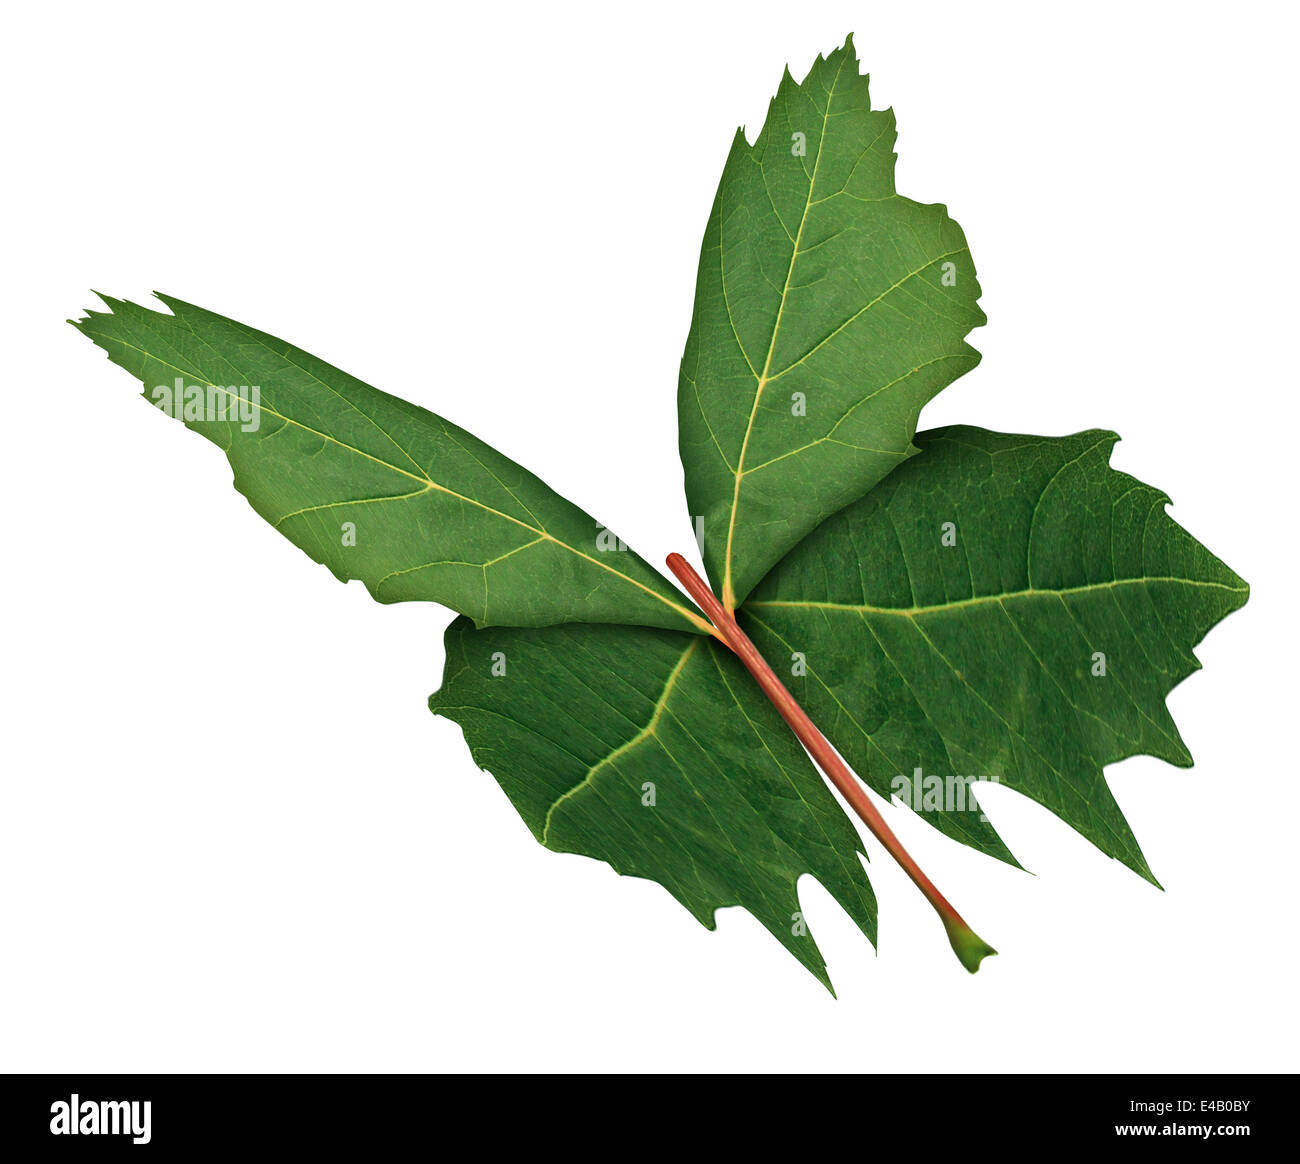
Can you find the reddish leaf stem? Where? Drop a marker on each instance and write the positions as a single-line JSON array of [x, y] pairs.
[[969, 948]]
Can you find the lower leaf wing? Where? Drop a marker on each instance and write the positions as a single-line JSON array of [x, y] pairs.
[[1002, 608], [654, 751]]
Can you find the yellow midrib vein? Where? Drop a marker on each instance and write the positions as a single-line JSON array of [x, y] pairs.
[[728, 590], [987, 599], [644, 734]]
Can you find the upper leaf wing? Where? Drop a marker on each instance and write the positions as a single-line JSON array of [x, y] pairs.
[[828, 310], [656, 752], [377, 488], [1002, 608]]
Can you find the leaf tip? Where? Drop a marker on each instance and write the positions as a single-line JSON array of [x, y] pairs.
[[89, 313], [174, 305], [111, 302], [1146, 874]]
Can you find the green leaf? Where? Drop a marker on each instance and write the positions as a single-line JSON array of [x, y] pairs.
[[379, 489], [828, 310], [997, 607], [1033, 650], [583, 725]]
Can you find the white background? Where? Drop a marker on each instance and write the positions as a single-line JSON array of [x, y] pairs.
[[231, 835]]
